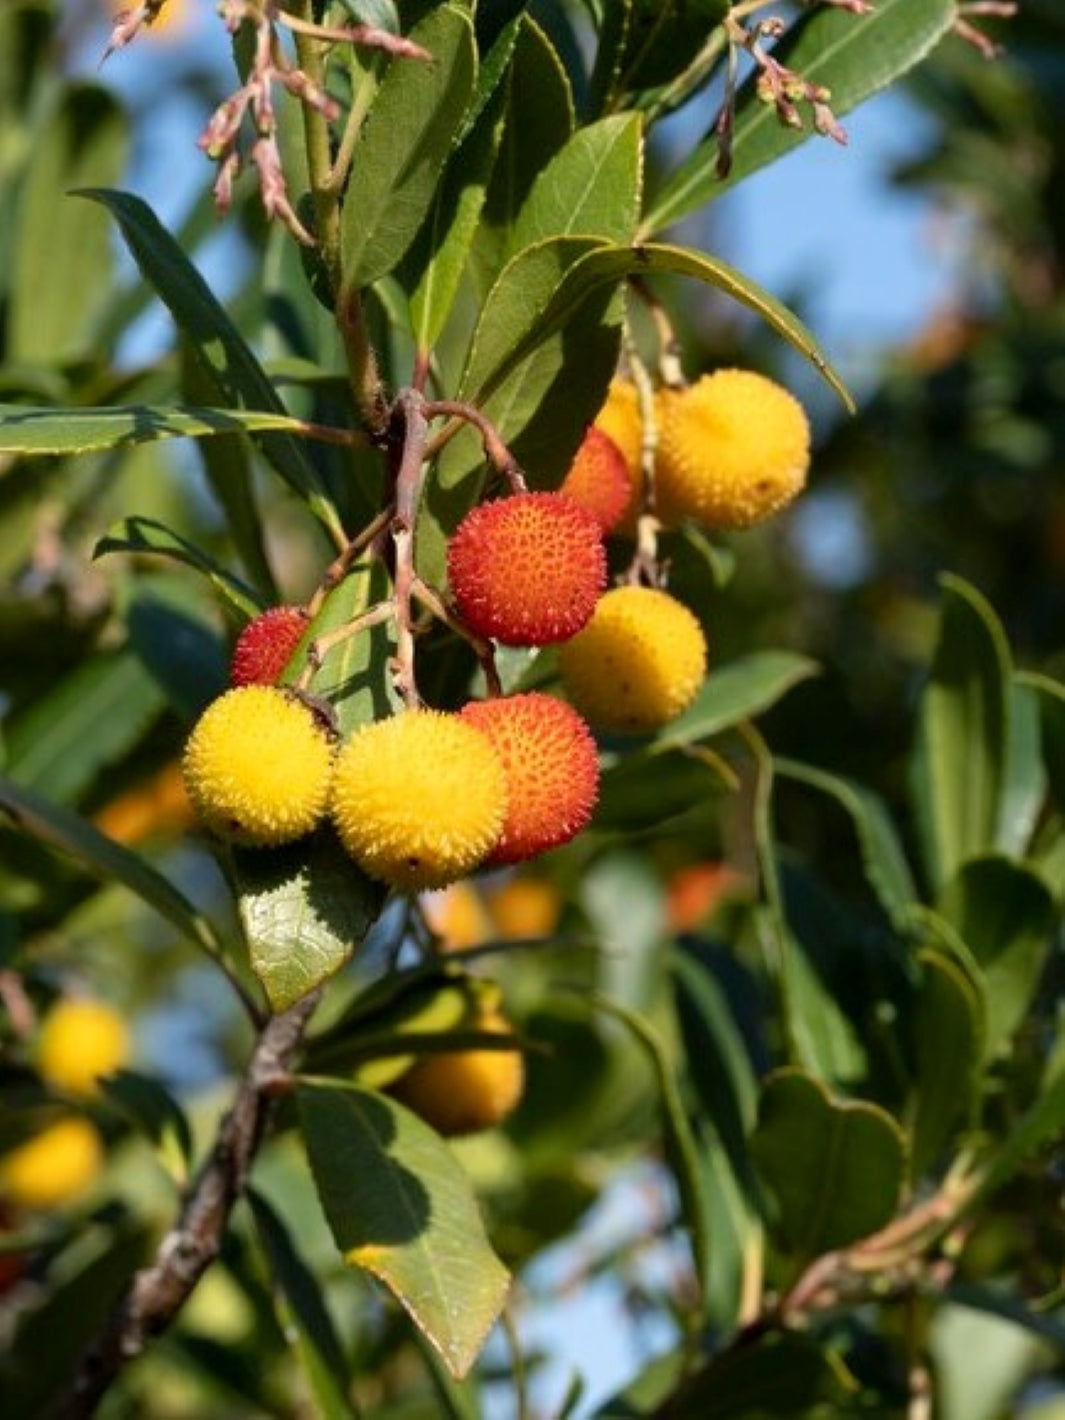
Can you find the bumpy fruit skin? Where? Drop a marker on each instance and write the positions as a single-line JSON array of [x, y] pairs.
[[265, 646], [637, 664], [419, 799], [258, 766], [79, 1041], [733, 449], [465, 1091], [598, 479], [552, 769], [527, 570], [54, 1167]]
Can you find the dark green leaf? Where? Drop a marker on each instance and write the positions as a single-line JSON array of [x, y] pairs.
[[400, 1207], [84, 724], [317, 1342], [1051, 698], [735, 692], [1025, 782], [885, 863], [69, 834], [81, 431], [641, 790], [958, 766], [834, 1169], [948, 1031], [61, 258], [155, 1112], [241, 381], [403, 146], [305, 909], [853, 56], [1006, 915], [645, 43], [147, 536]]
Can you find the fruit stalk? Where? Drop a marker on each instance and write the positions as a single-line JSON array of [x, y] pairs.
[[159, 1290]]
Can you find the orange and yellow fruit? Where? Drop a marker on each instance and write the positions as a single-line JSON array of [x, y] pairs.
[[419, 799], [733, 449], [54, 1167], [80, 1041], [552, 770], [466, 1091], [527, 570], [258, 766], [599, 480], [638, 663]]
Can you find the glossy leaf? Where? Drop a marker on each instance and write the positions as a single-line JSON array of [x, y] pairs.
[[1025, 782], [69, 834], [886, 868], [85, 723], [853, 56], [949, 1033], [305, 909], [403, 145], [60, 257], [400, 1206], [591, 187], [84, 430], [241, 381], [959, 760], [316, 1338], [834, 1170], [1006, 915], [146, 536], [645, 43], [735, 692], [539, 120]]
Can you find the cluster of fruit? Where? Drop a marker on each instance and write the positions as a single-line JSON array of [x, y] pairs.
[[421, 798]]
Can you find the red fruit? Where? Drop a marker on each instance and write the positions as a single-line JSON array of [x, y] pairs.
[[527, 570], [598, 479], [551, 766], [265, 646]]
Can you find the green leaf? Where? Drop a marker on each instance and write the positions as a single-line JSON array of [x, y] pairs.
[[645, 43], [84, 430], [61, 267], [735, 692], [1006, 915], [782, 1373], [643, 790], [84, 724], [400, 1206], [1051, 698], [603, 263], [834, 1170], [886, 868], [1025, 783], [182, 653], [305, 909], [241, 381], [539, 120], [69, 834], [156, 1113], [948, 1033], [958, 765], [1040, 1126], [316, 1339], [853, 56], [435, 264], [591, 187], [719, 1066], [403, 146], [142, 536]]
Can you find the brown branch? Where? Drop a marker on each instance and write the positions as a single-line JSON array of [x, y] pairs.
[[159, 1290]]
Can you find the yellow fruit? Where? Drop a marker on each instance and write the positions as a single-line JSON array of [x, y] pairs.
[[258, 766], [80, 1041], [419, 799], [620, 420], [525, 907], [733, 449], [637, 664], [465, 1091], [54, 1167], [458, 916]]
